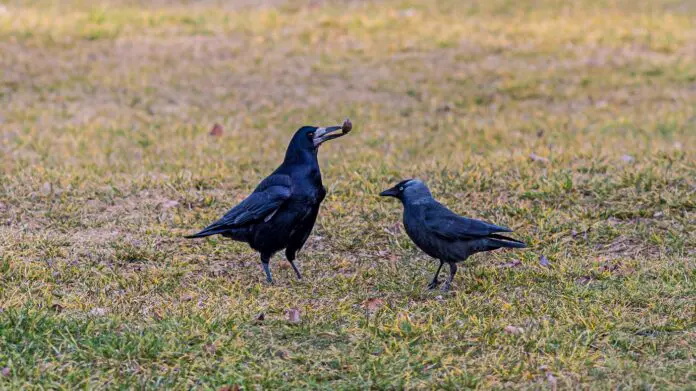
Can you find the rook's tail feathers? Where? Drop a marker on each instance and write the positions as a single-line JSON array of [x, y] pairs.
[[206, 232], [504, 241]]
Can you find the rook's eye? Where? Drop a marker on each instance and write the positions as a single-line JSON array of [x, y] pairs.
[[401, 188], [310, 134]]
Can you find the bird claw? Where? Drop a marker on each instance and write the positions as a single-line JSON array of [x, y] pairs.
[[445, 287], [433, 284]]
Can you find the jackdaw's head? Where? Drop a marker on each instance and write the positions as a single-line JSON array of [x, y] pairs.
[[408, 190]]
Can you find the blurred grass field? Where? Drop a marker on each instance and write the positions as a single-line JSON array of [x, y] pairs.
[[572, 122]]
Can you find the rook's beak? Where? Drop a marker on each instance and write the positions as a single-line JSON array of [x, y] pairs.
[[325, 134]]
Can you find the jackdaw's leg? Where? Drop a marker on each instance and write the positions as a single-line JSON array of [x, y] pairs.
[[453, 271], [434, 282], [291, 259], [264, 262]]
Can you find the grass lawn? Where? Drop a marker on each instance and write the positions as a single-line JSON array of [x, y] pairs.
[[573, 123]]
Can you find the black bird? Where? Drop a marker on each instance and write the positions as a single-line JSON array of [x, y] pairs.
[[281, 211], [443, 234]]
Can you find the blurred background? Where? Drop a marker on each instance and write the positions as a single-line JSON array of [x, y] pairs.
[[126, 124]]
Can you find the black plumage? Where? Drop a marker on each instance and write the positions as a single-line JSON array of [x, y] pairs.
[[443, 234], [281, 212]]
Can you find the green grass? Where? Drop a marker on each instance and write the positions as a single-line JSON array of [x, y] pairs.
[[106, 161]]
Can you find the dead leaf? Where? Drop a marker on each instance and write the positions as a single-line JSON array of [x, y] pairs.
[[234, 387], [514, 330], [6, 372], [282, 354], [210, 348], [169, 204], [513, 263], [186, 297], [373, 304], [293, 315], [537, 158], [553, 383], [444, 109], [157, 314], [543, 261], [57, 307], [98, 311], [627, 158], [47, 188], [609, 267], [216, 131], [583, 280]]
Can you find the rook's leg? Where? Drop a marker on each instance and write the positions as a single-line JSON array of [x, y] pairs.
[[434, 282], [453, 271], [290, 256], [299, 276], [264, 262]]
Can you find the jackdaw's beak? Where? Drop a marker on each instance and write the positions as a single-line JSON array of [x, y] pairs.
[[324, 134], [393, 192]]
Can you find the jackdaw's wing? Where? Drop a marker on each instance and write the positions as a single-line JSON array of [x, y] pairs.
[[450, 226]]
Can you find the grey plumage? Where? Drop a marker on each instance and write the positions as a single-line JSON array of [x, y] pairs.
[[443, 234]]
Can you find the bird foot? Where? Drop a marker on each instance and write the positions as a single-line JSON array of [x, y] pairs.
[[433, 284], [445, 287]]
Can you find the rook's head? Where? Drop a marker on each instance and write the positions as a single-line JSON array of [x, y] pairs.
[[408, 190], [311, 137]]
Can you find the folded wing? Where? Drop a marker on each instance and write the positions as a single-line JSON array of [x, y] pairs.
[[449, 226], [268, 197]]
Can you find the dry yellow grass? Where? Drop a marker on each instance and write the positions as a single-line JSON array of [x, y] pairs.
[[106, 161]]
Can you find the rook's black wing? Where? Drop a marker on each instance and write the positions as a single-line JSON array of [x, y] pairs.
[[266, 199]]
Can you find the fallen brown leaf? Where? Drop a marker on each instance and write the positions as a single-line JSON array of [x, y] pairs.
[[609, 267], [513, 263], [282, 354], [293, 315], [553, 383], [514, 330], [216, 130], [169, 204], [210, 348], [537, 158], [98, 311], [373, 304]]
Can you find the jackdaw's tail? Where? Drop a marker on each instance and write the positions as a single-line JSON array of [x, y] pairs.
[[504, 241]]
